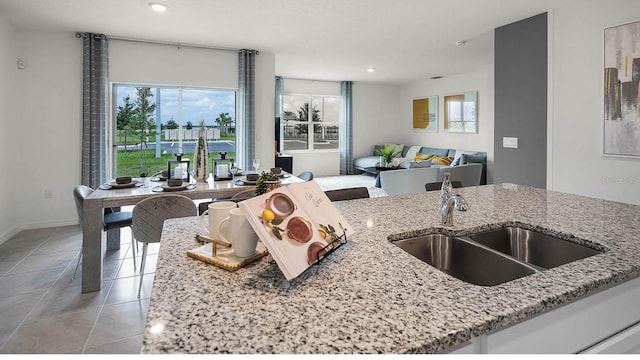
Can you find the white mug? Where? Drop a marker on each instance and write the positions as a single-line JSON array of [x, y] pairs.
[[223, 170], [237, 230], [216, 212]]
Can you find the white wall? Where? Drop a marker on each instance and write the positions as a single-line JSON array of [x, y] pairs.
[[480, 81], [47, 109], [8, 72], [376, 119], [578, 165], [44, 101]]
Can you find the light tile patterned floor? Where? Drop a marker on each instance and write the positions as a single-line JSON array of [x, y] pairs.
[[43, 311]]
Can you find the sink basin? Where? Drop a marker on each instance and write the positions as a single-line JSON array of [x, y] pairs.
[[464, 259], [533, 247]]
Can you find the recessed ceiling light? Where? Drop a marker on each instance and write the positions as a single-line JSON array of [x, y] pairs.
[[371, 69], [461, 43], [159, 7], [436, 77]]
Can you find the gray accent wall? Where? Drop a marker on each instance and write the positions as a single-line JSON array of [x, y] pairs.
[[520, 108]]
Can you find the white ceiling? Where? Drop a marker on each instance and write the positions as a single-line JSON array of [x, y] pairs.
[[405, 40]]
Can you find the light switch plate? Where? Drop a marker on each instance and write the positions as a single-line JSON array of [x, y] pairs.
[[510, 142]]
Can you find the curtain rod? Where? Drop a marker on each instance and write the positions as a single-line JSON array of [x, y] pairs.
[[158, 42]]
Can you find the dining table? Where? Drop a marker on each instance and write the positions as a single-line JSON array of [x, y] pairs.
[[107, 196]]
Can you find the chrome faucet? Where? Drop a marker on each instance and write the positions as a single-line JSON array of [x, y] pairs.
[[449, 201], [446, 213]]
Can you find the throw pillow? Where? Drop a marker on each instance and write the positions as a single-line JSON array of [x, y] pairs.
[[444, 160], [472, 158], [435, 151], [411, 152], [456, 158], [422, 157], [420, 164]]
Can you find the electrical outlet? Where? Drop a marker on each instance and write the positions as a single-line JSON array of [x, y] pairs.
[[48, 194]]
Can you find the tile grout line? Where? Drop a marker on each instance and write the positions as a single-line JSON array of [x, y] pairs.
[[41, 297], [95, 322]]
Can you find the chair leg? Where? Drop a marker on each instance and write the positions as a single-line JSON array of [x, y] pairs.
[[134, 245], [77, 264], [142, 262]]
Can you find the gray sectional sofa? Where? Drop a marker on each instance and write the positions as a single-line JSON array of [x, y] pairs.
[[459, 157]]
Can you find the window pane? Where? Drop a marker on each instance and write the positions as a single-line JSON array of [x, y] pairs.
[[295, 110], [327, 130], [145, 150]]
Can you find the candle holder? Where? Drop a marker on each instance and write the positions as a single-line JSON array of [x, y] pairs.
[[179, 168]]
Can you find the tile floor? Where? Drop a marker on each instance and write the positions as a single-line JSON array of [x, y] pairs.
[[44, 311]]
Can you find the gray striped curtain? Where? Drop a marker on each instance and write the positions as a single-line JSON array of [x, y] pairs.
[[279, 92], [247, 105], [346, 130], [94, 109]]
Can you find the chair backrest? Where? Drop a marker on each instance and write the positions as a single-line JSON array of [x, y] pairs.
[[347, 194], [243, 195], [306, 175], [81, 192], [150, 214], [438, 184], [407, 181], [468, 174]]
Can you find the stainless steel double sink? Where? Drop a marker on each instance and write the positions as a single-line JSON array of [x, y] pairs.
[[496, 256]]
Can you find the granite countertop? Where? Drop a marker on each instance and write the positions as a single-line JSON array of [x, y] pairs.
[[369, 296]]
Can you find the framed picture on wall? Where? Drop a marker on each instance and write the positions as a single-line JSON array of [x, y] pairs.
[[461, 112], [621, 135], [425, 114]]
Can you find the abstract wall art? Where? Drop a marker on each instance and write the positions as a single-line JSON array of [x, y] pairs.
[[425, 114], [621, 95]]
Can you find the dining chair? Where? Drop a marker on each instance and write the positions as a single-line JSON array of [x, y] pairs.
[[438, 184], [111, 220], [306, 175], [149, 216], [347, 193], [242, 195]]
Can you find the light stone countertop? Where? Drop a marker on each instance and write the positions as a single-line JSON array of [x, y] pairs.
[[369, 296]]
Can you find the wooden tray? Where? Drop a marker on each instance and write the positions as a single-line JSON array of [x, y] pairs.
[[224, 256]]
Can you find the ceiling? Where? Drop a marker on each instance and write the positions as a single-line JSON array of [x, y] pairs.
[[405, 40]]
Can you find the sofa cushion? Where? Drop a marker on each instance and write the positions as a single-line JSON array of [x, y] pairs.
[[458, 154], [408, 164], [434, 151], [472, 158]]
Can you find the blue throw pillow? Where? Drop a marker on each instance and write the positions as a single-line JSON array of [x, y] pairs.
[[435, 151]]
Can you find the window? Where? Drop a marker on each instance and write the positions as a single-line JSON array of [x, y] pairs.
[[152, 123], [303, 112]]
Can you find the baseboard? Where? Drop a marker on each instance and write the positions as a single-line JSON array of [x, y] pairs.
[[9, 233]]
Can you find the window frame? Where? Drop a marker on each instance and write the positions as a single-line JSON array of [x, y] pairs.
[[114, 104], [310, 134]]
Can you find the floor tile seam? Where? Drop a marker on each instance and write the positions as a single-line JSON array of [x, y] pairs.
[[95, 322], [115, 341], [19, 262], [35, 306]]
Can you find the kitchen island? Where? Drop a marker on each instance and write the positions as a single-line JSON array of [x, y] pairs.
[[369, 296]]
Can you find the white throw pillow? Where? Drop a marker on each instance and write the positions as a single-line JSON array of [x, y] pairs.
[[411, 153], [456, 157]]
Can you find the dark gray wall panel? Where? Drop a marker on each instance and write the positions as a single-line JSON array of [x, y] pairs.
[[521, 102]]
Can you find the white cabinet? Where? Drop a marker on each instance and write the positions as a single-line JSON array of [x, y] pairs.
[[605, 322]]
